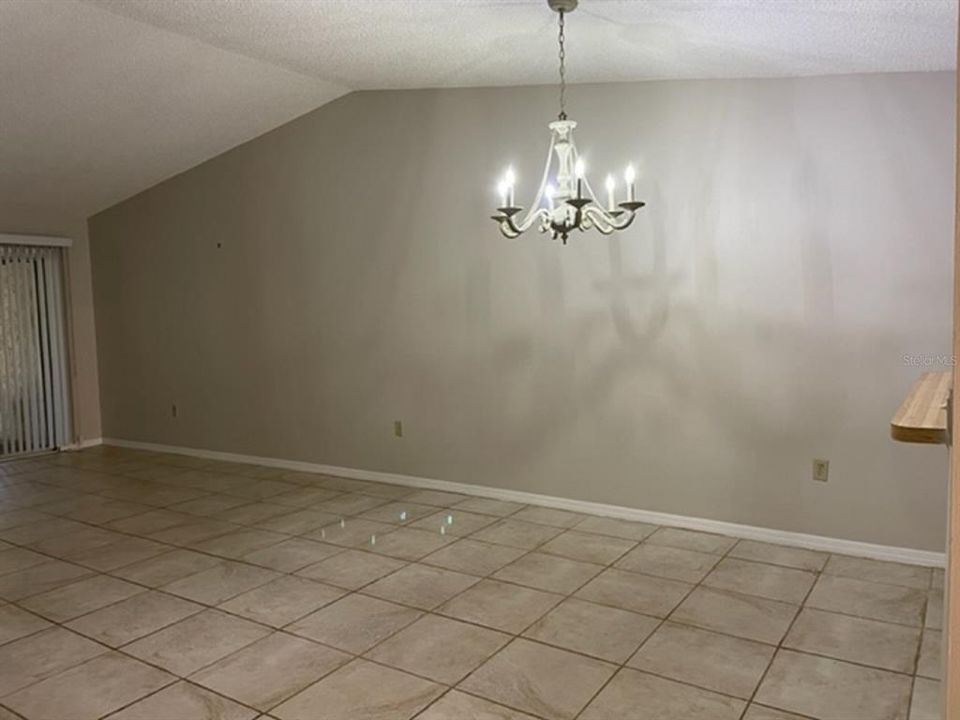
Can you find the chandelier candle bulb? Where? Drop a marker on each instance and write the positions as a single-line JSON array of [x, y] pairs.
[[611, 186], [579, 170], [630, 176], [510, 179], [502, 192]]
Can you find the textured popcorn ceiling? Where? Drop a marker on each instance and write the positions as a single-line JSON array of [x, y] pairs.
[[103, 98]]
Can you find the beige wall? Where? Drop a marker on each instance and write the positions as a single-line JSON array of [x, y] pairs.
[[85, 389], [796, 247]]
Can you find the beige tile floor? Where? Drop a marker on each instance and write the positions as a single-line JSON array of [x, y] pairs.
[[145, 586]]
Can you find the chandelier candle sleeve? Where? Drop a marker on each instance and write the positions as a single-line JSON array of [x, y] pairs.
[[630, 176], [565, 201]]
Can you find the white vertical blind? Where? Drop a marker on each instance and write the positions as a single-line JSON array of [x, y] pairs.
[[33, 379]]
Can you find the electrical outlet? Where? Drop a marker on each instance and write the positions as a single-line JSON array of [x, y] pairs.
[[821, 470], [398, 428], [173, 410]]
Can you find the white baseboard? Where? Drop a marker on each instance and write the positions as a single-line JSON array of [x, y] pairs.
[[749, 532], [83, 444]]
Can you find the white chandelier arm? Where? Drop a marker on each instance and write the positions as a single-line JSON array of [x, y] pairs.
[[512, 229], [607, 223], [541, 190], [507, 232]]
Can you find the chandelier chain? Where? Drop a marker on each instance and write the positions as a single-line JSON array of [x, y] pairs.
[[561, 37]]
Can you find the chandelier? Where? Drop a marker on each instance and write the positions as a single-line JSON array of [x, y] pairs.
[[565, 201]]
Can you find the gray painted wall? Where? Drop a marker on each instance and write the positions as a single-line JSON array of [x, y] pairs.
[[797, 246]]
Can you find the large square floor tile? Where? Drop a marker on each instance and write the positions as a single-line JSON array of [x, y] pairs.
[[410, 543], [352, 533], [831, 689], [184, 701], [877, 601], [81, 597], [858, 640], [193, 643], [133, 618], [193, 532], [725, 664], [270, 670], [75, 543], [635, 592], [626, 529], [926, 701], [89, 691], [538, 679], [439, 649], [486, 506], [298, 522], [167, 568], [879, 571], [120, 554], [669, 562], [548, 572], [16, 623], [745, 616], [456, 705], [282, 601], [34, 532], [15, 558], [236, 544], [517, 534], [208, 505], [502, 606], [362, 691], [292, 555], [473, 557], [350, 504], [588, 547], [632, 694], [354, 623], [769, 581], [929, 664], [692, 540], [438, 498], [548, 516], [304, 496], [420, 586], [399, 513], [604, 632], [220, 583], [351, 569], [761, 712], [252, 513], [779, 555], [149, 522], [39, 656], [933, 619], [40, 578], [454, 522]]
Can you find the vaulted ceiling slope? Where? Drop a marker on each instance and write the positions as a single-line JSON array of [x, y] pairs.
[[104, 98]]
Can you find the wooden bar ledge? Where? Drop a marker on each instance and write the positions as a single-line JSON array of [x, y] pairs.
[[922, 416]]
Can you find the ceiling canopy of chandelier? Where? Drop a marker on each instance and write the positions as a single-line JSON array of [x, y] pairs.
[[565, 201]]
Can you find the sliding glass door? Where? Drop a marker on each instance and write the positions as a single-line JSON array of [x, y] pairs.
[[34, 412]]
